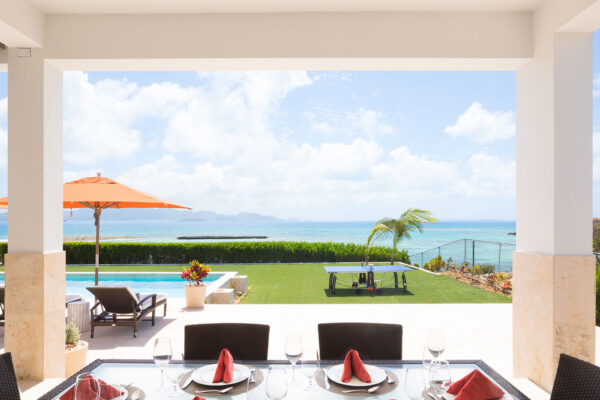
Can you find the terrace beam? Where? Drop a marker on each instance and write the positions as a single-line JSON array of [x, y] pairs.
[[395, 40]]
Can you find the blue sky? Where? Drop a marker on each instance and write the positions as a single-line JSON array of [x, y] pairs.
[[304, 145]]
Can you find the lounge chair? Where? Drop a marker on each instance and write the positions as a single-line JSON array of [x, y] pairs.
[[372, 341], [121, 307], [69, 298], [244, 341]]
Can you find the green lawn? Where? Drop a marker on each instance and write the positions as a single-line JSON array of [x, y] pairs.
[[308, 284]]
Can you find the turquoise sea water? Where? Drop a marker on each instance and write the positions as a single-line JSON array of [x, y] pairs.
[[171, 284], [434, 235]]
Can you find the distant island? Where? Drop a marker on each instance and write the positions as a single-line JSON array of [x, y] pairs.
[[219, 237]]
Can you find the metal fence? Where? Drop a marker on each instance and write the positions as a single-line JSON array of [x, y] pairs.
[[475, 252]]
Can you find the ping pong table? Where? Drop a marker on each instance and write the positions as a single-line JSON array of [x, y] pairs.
[[366, 276]]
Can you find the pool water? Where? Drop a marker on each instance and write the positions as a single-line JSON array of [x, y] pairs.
[[169, 283]]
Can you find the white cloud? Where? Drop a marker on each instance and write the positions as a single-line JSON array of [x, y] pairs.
[[482, 126], [596, 147], [3, 135], [221, 150], [361, 122], [490, 176], [231, 116]]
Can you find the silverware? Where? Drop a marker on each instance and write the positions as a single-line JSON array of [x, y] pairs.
[[327, 383], [135, 395], [252, 375], [369, 390], [129, 384], [215, 390], [390, 379], [187, 382]]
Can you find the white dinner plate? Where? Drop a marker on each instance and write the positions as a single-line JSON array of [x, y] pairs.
[[125, 392], [377, 376], [204, 376]]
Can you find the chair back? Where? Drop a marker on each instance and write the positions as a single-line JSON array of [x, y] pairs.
[[244, 341], [576, 379], [8, 379], [115, 299], [2, 294], [372, 341]]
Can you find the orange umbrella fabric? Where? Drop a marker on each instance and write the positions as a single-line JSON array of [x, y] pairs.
[[100, 193]]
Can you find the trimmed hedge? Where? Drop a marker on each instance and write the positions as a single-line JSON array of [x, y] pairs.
[[222, 252]]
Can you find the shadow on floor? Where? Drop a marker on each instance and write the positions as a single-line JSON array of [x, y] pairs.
[[109, 337], [349, 292]]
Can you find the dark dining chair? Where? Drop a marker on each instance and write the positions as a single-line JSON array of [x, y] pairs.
[[576, 379], [372, 341], [8, 379], [244, 341]]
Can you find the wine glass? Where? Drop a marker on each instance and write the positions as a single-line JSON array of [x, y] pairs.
[[310, 368], [173, 375], [162, 356], [439, 378], [293, 352], [86, 388], [436, 343], [276, 383], [414, 383]]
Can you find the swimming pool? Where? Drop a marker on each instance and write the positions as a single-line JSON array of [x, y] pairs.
[[169, 283]]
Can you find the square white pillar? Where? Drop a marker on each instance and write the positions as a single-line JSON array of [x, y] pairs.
[[554, 272], [35, 263]]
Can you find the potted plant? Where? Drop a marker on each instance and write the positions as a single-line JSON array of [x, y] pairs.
[[195, 290], [75, 350]]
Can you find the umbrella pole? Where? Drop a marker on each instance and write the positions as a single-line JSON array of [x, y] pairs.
[[97, 212]]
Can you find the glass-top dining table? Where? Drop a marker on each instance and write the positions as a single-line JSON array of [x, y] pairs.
[[143, 376]]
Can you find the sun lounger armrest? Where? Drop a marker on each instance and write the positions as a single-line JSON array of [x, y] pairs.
[[95, 305], [152, 296]]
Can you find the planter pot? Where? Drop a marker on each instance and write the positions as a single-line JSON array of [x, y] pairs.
[[76, 358], [195, 296]]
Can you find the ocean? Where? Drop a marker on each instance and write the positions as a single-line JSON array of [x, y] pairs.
[[436, 234]]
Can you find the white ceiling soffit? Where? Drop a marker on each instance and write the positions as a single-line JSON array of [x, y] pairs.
[[265, 6]]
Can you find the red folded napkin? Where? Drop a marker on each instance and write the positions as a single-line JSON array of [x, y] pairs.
[[475, 386], [198, 398], [224, 371], [88, 390], [353, 365]]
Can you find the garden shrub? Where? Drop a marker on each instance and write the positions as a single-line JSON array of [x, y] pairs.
[[476, 270], [487, 268], [596, 235], [436, 264], [598, 294], [222, 252]]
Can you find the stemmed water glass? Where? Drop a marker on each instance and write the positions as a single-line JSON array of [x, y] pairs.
[[162, 356], [293, 352], [439, 378], [436, 343], [414, 383], [310, 368], [86, 387], [276, 383]]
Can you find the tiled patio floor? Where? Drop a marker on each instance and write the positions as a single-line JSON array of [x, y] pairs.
[[473, 331]]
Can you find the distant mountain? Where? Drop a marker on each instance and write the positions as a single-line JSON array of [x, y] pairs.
[[158, 214]]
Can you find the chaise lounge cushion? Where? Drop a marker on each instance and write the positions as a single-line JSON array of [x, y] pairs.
[[148, 302]]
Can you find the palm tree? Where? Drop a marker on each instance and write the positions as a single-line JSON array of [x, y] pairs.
[[411, 220]]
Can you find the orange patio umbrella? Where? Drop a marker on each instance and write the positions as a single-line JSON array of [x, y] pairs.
[[100, 193]]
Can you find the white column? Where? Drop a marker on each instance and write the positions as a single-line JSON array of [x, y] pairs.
[[35, 263], [554, 281]]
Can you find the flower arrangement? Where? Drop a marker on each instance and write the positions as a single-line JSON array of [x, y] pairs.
[[196, 273]]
